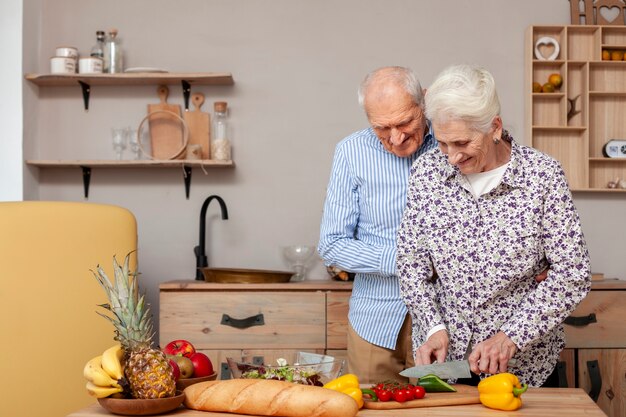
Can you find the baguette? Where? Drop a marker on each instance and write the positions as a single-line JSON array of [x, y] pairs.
[[265, 397]]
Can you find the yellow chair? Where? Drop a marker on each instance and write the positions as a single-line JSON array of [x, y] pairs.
[[49, 298]]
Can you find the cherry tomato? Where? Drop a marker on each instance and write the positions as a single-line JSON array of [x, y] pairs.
[[384, 395], [418, 392], [408, 392], [399, 395]]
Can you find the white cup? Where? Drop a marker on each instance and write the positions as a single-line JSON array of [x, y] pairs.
[[67, 51], [90, 65], [62, 65]]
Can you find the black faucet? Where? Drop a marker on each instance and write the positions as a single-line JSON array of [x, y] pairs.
[[200, 250]]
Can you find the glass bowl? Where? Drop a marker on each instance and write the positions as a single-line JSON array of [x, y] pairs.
[[308, 369]]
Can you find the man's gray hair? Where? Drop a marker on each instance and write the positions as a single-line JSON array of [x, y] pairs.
[[401, 76]]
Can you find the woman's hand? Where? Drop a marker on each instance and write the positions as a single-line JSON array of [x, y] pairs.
[[492, 355], [435, 349]]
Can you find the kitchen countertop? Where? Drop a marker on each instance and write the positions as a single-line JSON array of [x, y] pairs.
[[537, 402]]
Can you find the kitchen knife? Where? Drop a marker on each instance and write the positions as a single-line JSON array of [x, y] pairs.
[[444, 370]]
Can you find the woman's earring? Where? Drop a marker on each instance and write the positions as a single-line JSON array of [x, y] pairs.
[[496, 140]]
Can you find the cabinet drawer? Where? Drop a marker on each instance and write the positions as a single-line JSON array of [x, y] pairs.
[[609, 309], [288, 320], [337, 326]]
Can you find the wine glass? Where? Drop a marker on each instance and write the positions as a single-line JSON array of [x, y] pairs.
[[298, 257], [133, 142], [119, 141]]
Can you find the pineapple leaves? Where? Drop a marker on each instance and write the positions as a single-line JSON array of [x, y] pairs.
[[129, 313]]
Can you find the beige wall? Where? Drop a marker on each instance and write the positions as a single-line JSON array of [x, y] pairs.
[[296, 66]]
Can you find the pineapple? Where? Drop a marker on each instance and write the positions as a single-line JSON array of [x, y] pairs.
[[148, 371]]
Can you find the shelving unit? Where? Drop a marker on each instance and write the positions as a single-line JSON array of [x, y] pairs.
[[85, 81], [597, 90]]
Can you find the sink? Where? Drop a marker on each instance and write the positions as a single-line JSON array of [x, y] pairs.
[[248, 276]]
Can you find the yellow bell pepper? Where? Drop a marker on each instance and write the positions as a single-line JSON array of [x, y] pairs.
[[501, 392], [349, 385]]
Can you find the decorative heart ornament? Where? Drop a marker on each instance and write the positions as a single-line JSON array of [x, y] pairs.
[[544, 46], [609, 14]]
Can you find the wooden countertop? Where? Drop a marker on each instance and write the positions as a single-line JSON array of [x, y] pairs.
[[321, 285], [538, 402]]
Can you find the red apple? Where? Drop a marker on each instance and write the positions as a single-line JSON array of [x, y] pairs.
[[175, 369], [202, 365], [179, 347]]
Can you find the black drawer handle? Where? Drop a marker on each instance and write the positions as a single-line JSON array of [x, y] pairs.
[[257, 320], [581, 321], [595, 378]]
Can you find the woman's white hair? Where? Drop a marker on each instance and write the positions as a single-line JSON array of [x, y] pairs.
[[465, 93], [401, 76]]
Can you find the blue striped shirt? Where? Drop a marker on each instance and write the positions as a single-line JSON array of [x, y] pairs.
[[365, 199]]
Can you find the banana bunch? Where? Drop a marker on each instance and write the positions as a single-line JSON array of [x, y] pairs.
[[104, 373]]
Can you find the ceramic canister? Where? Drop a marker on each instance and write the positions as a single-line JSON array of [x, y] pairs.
[[90, 65], [67, 51], [62, 65]]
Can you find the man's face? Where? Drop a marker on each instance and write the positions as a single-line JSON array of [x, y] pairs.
[[398, 122]]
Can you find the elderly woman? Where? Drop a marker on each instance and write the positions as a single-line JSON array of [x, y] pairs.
[[486, 215]]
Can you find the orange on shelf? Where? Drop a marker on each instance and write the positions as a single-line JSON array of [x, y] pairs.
[[606, 55], [617, 55]]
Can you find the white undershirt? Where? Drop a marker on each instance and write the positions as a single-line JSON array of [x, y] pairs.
[[483, 182], [478, 184]]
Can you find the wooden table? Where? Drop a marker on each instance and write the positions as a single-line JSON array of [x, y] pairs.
[[538, 402]]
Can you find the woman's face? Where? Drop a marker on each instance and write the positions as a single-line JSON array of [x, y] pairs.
[[469, 150]]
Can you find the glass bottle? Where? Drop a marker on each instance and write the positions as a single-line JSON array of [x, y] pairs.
[[113, 58], [220, 136], [98, 49]]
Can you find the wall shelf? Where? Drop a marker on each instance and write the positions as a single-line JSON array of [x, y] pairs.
[[574, 123], [85, 81], [85, 165]]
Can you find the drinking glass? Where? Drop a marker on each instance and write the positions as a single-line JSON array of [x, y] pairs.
[[298, 257], [119, 142], [133, 142]]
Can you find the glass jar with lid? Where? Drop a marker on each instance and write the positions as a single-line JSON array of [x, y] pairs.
[[220, 135]]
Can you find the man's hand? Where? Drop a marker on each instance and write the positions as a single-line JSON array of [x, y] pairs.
[[542, 275], [435, 349], [492, 355]]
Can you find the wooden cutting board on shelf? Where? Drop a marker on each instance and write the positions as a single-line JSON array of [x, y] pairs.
[[199, 125], [166, 130], [464, 394]]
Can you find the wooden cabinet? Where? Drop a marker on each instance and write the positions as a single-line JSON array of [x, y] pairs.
[[595, 354], [574, 123], [256, 322]]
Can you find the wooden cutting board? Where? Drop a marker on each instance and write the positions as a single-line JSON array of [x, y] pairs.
[[199, 123], [464, 394], [166, 130]]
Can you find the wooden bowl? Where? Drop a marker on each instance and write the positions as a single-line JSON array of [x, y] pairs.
[[136, 407], [183, 383]]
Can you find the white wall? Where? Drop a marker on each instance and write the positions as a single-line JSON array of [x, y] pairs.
[[11, 100], [296, 66]]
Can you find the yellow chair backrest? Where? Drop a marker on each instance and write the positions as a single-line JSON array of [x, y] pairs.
[[49, 297]]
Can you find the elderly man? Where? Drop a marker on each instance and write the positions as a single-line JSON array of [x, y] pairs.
[[365, 199]]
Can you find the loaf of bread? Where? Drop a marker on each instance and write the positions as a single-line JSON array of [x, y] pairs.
[[263, 397]]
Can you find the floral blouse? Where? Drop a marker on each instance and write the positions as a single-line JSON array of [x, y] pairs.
[[486, 253]]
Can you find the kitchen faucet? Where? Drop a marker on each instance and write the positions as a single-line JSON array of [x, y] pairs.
[[200, 250]]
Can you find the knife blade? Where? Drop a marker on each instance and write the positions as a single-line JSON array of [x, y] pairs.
[[444, 370]]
